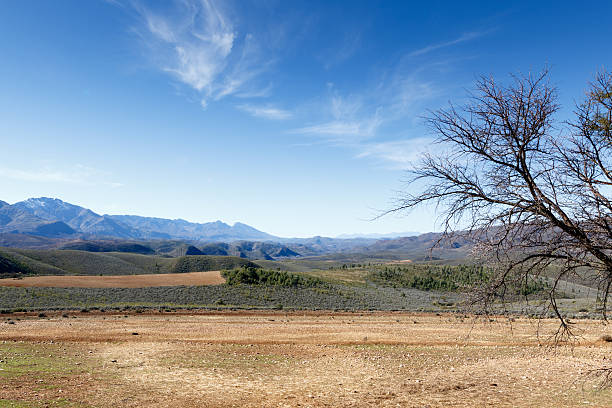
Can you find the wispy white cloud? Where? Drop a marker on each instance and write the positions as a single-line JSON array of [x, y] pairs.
[[404, 93], [117, 3], [198, 44], [462, 38], [255, 92], [398, 153], [248, 65], [360, 118], [343, 131], [78, 174], [266, 112], [349, 120], [382, 122]]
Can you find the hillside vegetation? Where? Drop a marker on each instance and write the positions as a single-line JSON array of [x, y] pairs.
[[27, 262], [431, 277], [249, 275], [109, 246]]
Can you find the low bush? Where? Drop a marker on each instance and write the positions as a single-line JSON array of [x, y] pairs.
[[249, 275]]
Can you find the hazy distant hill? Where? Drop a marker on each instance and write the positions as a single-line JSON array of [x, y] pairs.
[[389, 235], [30, 241], [420, 247], [152, 228], [53, 229], [323, 245], [243, 249], [110, 246]]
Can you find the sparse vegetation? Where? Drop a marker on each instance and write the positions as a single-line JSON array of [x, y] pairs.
[[319, 283], [196, 263], [250, 275], [447, 278], [28, 262], [244, 296]]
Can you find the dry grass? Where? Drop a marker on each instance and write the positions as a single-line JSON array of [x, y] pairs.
[[255, 359], [118, 281], [400, 262]]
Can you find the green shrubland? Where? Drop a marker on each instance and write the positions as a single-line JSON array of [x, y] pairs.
[[446, 278], [250, 275], [27, 262]]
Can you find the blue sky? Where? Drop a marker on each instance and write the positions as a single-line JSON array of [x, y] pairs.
[[296, 117]]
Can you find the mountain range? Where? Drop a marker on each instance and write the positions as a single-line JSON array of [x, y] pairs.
[[50, 223], [51, 217]]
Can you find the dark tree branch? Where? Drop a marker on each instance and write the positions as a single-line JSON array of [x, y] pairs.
[[533, 197]]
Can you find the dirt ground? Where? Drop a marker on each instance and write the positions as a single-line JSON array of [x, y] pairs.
[[118, 281], [314, 359]]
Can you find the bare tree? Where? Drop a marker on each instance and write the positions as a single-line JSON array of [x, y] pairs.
[[535, 195]]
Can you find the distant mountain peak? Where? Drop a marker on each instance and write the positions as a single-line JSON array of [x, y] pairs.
[[37, 202], [44, 200], [49, 203]]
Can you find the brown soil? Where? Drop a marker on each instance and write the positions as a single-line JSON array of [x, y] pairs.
[[251, 359], [118, 281]]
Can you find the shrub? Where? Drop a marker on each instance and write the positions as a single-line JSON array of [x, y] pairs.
[[195, 263], [250, 275]]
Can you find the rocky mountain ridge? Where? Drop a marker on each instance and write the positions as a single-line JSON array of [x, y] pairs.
[[51, 217]]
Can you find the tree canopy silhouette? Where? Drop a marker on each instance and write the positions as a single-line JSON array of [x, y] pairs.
[[532, 192]]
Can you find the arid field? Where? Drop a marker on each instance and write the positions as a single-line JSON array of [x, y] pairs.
[[117, 281], [306, 359]]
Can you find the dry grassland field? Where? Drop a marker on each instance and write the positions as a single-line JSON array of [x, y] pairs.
[[118, 281], [296, 359]]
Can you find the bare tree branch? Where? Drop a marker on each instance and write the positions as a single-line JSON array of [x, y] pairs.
[[535, 195]]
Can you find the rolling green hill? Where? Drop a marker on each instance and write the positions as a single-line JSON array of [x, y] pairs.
[[109, 246], [19, 262]]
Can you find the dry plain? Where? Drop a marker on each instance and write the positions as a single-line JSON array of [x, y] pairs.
[[116, 281], [307, 359]]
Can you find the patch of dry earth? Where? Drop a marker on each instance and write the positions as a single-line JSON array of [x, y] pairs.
[[322, 360]]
